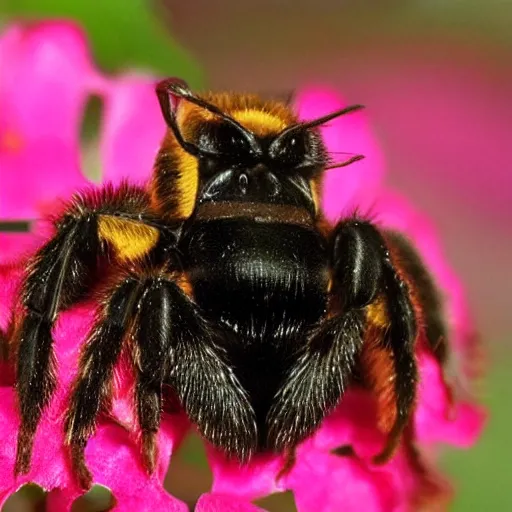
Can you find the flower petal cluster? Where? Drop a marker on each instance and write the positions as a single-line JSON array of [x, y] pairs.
[[46, 77]]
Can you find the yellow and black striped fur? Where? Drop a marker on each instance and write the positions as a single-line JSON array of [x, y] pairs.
[[235, 292]]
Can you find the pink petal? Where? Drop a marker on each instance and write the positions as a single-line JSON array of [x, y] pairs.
[[15, 245], [9, 280], [249, 482], [60, 500], [318, 480], [322, 482], [435, 419], [356, 185], [352, 423], [32, 179], [46, 70], [115, 461], [214, 502], [467, 150], [132, 131], [45, 77], [48, 464], [111, 455]]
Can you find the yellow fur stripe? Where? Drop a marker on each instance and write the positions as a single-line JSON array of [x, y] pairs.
[[259, 122], [130, 239], [187, 184]]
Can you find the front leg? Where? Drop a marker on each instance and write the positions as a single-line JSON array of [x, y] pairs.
[[95, 225], [367, 289]]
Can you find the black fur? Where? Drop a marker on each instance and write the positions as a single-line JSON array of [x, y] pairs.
[[203, 378], [57, 278], [267, 284], [400, 338], [316, 380], [150, 358]]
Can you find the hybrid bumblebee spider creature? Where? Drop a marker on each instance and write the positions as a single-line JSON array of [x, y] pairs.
[[228, 289]]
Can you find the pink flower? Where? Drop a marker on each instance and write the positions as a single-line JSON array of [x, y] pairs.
[[46, 75]]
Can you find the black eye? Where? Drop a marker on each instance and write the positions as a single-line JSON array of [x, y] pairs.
[[223, 141], [289, 149]]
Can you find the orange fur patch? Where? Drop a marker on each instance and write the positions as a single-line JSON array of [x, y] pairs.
[[377, 313], [190, 117], [130, 239], [378, 366], [185, 285]]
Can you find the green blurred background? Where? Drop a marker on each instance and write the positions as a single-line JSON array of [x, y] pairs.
[[436, 77]]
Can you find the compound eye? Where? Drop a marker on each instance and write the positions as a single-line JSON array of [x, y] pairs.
[[225, 141], [289, 149]]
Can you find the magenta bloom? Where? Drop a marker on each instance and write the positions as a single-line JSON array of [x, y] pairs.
[[46, 75]]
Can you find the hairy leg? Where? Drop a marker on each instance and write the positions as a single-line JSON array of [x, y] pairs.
[[174, 345], [426, 293], [362, 273], [59, 274], [391, 323]]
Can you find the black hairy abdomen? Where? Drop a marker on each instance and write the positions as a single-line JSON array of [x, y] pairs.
[[266, 284]]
